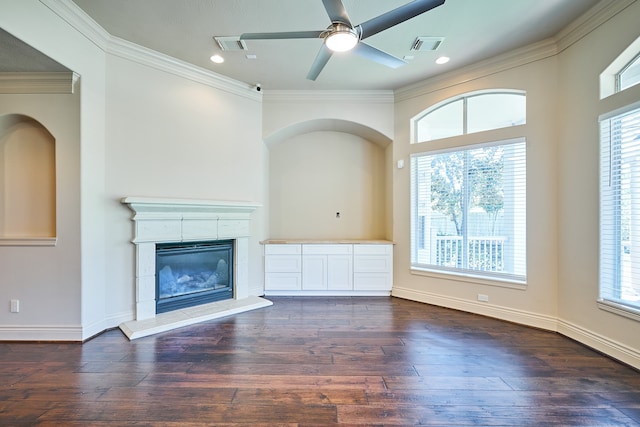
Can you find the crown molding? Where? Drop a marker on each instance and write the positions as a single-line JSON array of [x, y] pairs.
[[512, 59], [80, 21], [306, 96], [589, 21], [84, 24], [38, 83], [159, 61]]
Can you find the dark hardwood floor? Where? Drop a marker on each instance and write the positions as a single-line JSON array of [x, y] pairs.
[[318, 361]]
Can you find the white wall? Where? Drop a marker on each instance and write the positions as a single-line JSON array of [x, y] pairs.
[[130, 130], [61, 288], [46, 279], [168, 136]]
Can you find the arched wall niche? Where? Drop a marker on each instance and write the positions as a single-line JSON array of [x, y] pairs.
[[27, 180], [328, 180], [328, 125]]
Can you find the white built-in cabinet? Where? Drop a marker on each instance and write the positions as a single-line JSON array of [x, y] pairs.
[[328, 268]]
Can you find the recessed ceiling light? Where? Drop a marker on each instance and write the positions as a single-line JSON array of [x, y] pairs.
[[217, 59], [442, 60], [251, 56]]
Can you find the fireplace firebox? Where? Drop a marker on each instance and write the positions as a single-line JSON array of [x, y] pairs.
[[189, 274]]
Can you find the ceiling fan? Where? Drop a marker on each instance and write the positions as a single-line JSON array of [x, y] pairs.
[[342, 36]]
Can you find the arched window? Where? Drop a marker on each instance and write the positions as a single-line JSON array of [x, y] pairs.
[[629, 75], [468, 202], [623, 72], [470, 113]]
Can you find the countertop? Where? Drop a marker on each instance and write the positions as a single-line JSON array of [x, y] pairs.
[[326, 241]]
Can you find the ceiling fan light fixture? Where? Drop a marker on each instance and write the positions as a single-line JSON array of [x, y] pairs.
[[342, 38]]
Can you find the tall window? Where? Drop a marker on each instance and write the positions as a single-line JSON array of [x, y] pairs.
[[620, 208], [469, 203], [469, 211]]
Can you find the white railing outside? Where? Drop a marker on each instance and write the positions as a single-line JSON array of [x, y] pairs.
[[484, 252]]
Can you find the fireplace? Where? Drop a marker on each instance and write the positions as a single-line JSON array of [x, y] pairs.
[[168, 223], [190, 274]]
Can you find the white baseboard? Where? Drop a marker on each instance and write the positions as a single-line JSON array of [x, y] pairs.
[[504, 313], [110, 322], [327, 293], [595, 341], [41, 333], [600, 343]]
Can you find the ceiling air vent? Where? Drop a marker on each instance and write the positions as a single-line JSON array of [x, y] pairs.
[[230, 43], [424, 44]]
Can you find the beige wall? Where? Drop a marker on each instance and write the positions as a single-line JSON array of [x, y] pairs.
[[578, 154], [316, 175], [536, 303], [329, 152], [562, 189]]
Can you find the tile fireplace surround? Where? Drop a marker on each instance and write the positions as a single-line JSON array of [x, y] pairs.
[[160, 220]]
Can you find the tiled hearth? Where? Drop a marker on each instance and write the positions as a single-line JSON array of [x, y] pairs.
[[159, 220]]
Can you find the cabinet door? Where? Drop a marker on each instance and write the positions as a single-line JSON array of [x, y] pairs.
[[340, 272], [282, 282], [314, 272]]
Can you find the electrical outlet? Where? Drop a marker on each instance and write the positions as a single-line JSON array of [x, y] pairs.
[[15, 306], [483, 297], [338, 215]]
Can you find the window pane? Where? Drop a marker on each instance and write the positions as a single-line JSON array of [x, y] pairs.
[[469, 211], [494, 111], [630, 75], [620, 209], [443, 122]]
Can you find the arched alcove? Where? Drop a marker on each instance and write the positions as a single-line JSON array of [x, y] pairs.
[[328, 180], [27, 179]]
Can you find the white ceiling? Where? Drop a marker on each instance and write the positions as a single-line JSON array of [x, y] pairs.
[[473, 30]]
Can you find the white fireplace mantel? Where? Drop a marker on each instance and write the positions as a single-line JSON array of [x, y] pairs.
[[164, 220]]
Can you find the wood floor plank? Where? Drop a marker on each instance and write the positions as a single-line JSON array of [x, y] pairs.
[[311, 361]]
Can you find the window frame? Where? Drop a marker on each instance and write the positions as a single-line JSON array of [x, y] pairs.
[[414, 122], [611, 236], [619, 74], [465, 274]]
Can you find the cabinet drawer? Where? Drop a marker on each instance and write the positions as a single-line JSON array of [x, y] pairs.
[[372, 282], [283, 281], [282, 264], [372, 264], [285, 249], [327, 249], [372, 249]]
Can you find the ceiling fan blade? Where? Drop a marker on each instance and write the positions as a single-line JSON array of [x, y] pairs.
[[376, 55], [283, 35], [318, 64], [396, 16], [336, 11]]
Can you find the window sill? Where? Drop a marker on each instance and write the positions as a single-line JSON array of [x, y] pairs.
[[28, 241], [619, 309], [470, 278]]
